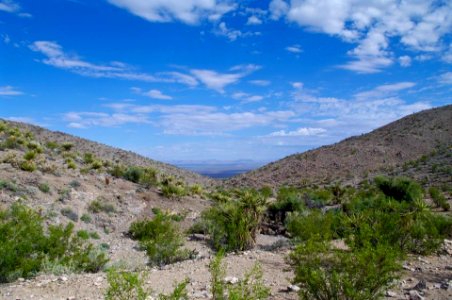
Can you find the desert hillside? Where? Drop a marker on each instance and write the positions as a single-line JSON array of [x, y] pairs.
[[108, 153], [407, 144]]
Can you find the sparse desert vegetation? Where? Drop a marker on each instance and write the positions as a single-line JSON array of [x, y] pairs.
[[150, 231]]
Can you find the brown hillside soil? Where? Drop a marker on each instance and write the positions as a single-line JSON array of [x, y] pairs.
[[382, 151]]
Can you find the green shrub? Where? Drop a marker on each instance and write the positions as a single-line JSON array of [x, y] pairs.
[[34, 146], [133, 174], [124, 285], [233, 225], [148, 177], [96, 165], [74, 184], [312, 225], [70, 214], [67, 146], [83, 234], [27, 166], [161, 238], [44, 187], [94, 235], [88, 158], [173, 190], [71, 164], [399, 188], [25, 246], [9, 186], [99, 205], [30, 155], [324, 274], [251, 287], [196, 189], [52, 145], [288, 200], [372, 222], [117, 171], [86, 218], [438, 198]]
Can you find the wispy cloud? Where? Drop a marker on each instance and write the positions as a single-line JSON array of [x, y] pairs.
[[82, 120], [260, 82], [187, 11], [190, 120], [384, 90], [294, 49], [9, 91], [154, 94], [445, 78], [303, 131], [13, 7], [218, 81], [247, 98]]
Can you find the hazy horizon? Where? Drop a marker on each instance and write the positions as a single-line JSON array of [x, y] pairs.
[[225, 80]]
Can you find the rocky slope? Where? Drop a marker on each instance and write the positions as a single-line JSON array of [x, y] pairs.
[[424, 138], [109, 153]]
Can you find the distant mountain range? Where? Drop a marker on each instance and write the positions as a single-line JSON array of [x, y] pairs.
[[219, 169]]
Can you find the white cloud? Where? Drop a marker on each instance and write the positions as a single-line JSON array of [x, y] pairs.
[[154, 94], [178, 119], [260, 82], [6, 38], [447, 57], [303, 131], [362, 113], [247, 98], [9, 91], [294, 49], [9, 6], [13, 7], [405, 61], [253, 20], [187, 11], [92, 119], [385, 90], [57, 57], [417, 25], [218, 81], [278, 8], [445, 78]]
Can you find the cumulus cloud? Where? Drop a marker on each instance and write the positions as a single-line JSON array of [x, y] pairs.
[[418, 25], [253, 20], [9, 91], [187, 11]]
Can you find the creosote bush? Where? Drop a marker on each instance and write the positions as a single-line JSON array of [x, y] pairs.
[[361, 274], [26, 247], [100, 205], [161, 239], [399, 188], [234, 225]]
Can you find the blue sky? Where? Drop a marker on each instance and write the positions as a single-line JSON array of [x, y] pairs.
[[197, 80]]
